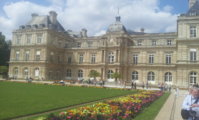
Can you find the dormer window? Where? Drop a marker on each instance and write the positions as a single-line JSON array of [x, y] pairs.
[[192, 14]]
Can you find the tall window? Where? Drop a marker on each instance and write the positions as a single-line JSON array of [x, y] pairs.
[[135, 75], [109, 75], [17, 55], [135, 59], [151, 76], [193, 77], [90, 44], [80, 74], [151, 59], [51, 56], [26, 72], [193, 55], [93, 57], [192, 31], [15, 72], [18, 39], [169, 42], [68, 73], [153, 43], [39, 38], [38, 55], [81, 58], [27, 55], [37, 72], [29, 38], [168, 77], [139, 43], [69, 60], [168, 58], [59, 58], [111, 57]]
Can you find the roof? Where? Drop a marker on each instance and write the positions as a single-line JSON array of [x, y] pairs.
[[117, 26], [194, 10], [45, 21]]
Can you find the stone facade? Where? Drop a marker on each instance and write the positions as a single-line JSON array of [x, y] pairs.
[[43, 50]]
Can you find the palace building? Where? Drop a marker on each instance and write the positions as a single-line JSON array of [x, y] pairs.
[[43, 50]]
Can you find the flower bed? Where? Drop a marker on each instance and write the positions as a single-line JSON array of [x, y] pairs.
[[122, 108]]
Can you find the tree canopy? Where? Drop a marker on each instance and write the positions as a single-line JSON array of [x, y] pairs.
[[116, 75], [4, 50], [94, 74]]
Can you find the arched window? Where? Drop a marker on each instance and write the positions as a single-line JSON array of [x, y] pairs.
[[25, 73], [37, 72], [111, 57], [151, 76], [193, 77], [168, 77], [68, 73], [15, 71], [109, 75], [80, 73], [135, 75]]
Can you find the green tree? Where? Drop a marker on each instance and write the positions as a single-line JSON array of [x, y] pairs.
[[3, 71], [116, 75], [94, 74], [4, 50]]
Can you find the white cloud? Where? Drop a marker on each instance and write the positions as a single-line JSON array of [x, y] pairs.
[[102, 32], [94, 15], [168, 8]]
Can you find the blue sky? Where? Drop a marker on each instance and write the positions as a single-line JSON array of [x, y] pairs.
[[78, 14], [180, 6]]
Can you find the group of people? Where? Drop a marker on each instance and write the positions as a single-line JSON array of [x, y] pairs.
[[164, 86], [190, 106]]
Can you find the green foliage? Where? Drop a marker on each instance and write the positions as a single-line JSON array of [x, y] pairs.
[[3, 69], [23, 98], [116, 75], [94, 74], [4, 50]]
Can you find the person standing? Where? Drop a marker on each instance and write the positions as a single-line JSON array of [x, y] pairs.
[[147, 85], [135, 85], [132, 85]]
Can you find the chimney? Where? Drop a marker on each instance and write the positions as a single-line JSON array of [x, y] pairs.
[[84, 33], [142, 30], [53, 17], [191, 3], [34, 15]]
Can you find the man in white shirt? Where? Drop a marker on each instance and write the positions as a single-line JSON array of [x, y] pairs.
[[191, 103]]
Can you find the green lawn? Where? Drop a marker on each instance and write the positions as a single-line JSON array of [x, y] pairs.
[[18, 99], [151, 112]]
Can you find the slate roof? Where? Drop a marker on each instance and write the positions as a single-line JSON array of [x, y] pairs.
[[43, 22], [117, 26], [194, 10]]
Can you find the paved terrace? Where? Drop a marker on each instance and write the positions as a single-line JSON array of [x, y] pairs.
[[172, 107]]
